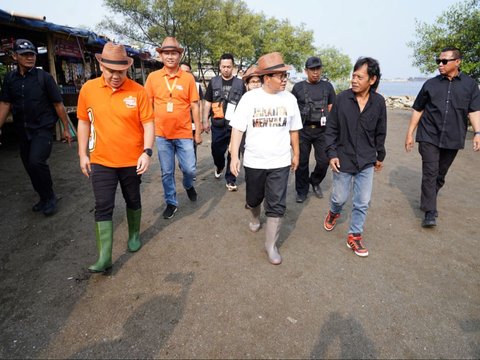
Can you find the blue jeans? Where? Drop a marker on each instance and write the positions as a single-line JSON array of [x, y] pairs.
[[185, 152], [362, 192]]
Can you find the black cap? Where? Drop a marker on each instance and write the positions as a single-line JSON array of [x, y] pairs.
[[23, 46], [313, 62]]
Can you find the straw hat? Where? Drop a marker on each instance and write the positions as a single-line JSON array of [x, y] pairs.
[[114, 56], [251, 71], [271, 63], [170, 44]]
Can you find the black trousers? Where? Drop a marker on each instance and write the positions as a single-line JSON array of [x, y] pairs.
[[35, 149], [311, 137], [435, 165], [220, 140], [270, 185], [104, 183]]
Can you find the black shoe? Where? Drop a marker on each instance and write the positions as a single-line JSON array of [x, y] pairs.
[[192, 194], [301, 198], [429, 220], [50, 206], [38, 206], [317, 191], [169, 211]]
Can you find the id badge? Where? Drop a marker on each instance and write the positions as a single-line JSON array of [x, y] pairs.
[[169, 106], [323, 121]]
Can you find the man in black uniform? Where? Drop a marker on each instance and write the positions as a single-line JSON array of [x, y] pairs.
[[315, 99], [440, 112], [36, 103], [223, 94]]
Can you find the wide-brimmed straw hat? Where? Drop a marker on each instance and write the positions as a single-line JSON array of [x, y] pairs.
[[170, 44], [114, 56], [271, 63], [251, 72]]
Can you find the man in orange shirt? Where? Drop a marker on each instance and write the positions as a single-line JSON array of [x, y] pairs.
[[116, 128], [173, 93]]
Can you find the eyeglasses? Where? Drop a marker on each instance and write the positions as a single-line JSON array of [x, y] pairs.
[[444, 61], [280, 77]]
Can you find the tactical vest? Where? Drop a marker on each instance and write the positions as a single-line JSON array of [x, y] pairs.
[[219, 103]]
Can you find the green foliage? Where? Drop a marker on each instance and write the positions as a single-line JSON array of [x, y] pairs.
[[209, 28], [336, 65], [458, 26]]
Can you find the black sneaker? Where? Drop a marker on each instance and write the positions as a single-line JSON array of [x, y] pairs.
[[317, 190], [169, 211], [429, 220], [192, 194], [38, 206], [301, 198], [50, 206]]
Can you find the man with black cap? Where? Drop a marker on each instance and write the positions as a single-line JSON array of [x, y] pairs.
[[36, 103], [315, 99]]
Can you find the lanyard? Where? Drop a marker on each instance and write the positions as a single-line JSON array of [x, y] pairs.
[[170, 88]]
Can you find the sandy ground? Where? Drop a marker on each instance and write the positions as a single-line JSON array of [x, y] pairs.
[[201, 286]]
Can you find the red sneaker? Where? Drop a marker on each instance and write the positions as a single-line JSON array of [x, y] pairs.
[[355, 243], [330, 221]]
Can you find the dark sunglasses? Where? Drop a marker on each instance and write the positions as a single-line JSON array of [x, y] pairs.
[[444, 61]]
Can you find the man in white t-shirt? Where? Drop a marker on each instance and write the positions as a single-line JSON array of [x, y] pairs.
[[271, 119]]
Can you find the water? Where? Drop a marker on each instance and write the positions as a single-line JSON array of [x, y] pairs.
[[400, 88]]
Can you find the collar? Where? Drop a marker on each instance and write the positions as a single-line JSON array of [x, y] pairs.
[[164, 72], [456, 77]]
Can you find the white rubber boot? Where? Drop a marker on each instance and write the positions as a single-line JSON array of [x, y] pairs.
[[271, 236], [254, 225]]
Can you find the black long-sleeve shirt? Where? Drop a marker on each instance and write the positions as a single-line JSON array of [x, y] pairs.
[[356, 138], [445, 105], [32, 96]]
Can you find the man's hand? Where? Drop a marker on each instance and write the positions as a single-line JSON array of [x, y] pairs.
[[206, 126], [235, 166], [143, 163], [335, 164], [85, 165], [198, 137], [295, 162], [378, 165], [476, 142], [67, 136], [409, 142]]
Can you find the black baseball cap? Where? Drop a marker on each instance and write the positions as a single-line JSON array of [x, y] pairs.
[[23, 46], [313, 62]]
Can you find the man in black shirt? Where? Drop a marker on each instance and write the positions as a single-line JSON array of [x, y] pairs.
[[315, 99], [222, 96], [36, 103], [441, 111], [355, 143]]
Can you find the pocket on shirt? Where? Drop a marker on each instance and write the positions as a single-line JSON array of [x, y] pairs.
[[461, 104]]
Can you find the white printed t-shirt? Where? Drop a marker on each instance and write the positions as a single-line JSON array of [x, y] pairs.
[[268, 120]]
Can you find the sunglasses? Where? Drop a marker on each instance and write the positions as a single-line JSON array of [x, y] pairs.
[[280, 77], [444, 61]]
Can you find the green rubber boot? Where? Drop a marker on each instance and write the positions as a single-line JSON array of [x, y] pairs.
[[133, 218], [104, 235]]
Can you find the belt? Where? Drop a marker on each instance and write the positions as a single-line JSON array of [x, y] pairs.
[[312, 126]]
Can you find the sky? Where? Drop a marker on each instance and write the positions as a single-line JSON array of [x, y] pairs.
[[376, 28]]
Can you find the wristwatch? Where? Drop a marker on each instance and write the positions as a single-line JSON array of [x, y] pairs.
[[148, 151]]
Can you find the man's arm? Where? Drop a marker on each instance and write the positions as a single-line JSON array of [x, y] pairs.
[[475, 121], [148, 138], [4, 110], [206, 116], [83, 133], [295, 143], [235, 140], [414, 120], [62, 114], [196, 120]]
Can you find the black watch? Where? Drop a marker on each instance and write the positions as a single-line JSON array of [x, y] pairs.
[[149, 152]]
